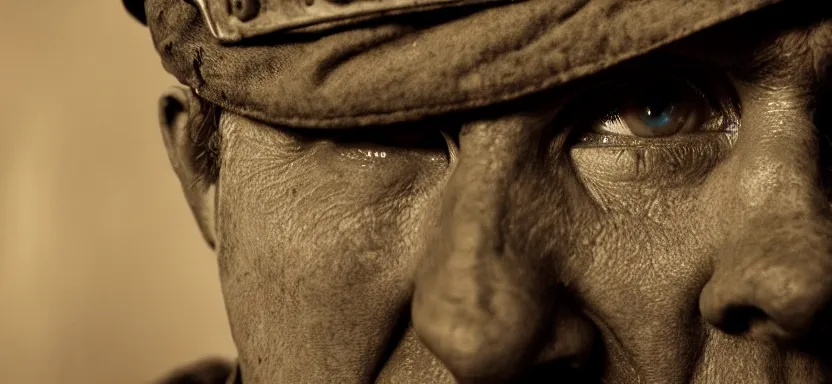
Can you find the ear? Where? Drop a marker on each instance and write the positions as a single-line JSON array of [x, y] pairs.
[[180, 112]]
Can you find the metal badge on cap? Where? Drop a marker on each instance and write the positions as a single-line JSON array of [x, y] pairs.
[[234, 20]]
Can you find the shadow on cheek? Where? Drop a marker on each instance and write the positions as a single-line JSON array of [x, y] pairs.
[[560, 371]]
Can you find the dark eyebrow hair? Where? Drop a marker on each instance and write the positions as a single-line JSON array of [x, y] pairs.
[[800, 56]]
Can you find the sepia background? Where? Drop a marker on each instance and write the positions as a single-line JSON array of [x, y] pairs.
[[103, 275]]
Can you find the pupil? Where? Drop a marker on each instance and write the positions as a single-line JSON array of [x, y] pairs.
[[657, 111]]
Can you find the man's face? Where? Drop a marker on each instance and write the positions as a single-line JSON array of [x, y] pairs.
[[665, 221]]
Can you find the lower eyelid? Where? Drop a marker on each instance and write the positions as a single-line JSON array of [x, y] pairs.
[[672, 162]]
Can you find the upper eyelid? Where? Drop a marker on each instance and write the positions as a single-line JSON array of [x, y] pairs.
[[714, 83], [716, 88]]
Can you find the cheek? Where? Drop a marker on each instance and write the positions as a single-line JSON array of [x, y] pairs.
[[311, 214], [648, 219], [315, 247], [645, 248]]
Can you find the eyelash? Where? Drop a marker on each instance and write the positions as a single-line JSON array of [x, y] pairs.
[[714, 87]]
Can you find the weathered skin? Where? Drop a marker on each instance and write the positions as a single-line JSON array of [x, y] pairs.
[[705, 257]]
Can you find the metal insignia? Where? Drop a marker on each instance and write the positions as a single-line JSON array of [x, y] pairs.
[[234, 20]]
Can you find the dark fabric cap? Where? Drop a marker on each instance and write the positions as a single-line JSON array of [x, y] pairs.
[[410, 67]]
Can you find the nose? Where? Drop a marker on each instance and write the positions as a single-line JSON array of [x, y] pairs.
[[773, 272], [483, 302], [776, 287]]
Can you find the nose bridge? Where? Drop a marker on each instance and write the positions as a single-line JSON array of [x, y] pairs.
[[773, 274], [476, 199], [780, 158], [477, 305]]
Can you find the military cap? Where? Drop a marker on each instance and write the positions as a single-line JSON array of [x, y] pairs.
[[349, 63], [136, 8]]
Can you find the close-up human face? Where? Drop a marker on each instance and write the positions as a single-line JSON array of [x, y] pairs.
[[663, 221]]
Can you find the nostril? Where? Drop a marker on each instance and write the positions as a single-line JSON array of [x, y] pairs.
[[773, 300], [740, 319]]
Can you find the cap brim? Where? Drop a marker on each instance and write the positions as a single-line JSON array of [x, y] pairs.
[[136, 8]]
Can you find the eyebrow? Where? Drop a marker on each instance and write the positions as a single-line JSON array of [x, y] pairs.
[[801, 56], [794, 45], [784, 53]]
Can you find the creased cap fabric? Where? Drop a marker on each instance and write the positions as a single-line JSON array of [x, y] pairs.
[[410, 67]]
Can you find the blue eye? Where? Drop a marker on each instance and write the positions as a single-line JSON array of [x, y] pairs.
[[657, 116], [661, 108]]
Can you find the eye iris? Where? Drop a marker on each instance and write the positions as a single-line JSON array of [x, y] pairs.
[[658, 112], [660, 108]]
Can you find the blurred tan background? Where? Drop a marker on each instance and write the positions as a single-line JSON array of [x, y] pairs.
[[103, 275]]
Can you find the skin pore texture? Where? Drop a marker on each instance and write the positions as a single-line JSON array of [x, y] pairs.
[[537, 241]]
